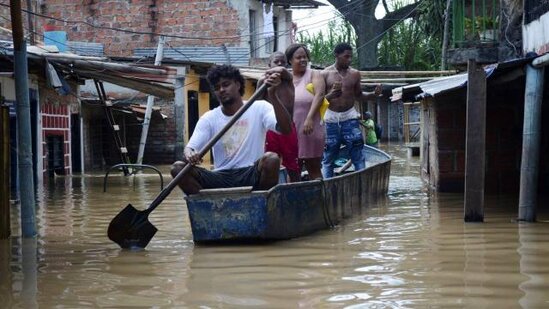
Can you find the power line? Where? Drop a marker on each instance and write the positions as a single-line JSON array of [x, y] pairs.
[[351, 6], [68, 21]]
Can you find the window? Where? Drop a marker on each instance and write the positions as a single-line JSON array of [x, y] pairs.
[[253, 34]]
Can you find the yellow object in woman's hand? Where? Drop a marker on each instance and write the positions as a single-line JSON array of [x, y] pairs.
[[325, 103]]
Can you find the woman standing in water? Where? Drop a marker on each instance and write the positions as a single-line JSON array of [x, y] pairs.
[[310, 132]]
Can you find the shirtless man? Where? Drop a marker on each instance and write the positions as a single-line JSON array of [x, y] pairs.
[[342, 119]]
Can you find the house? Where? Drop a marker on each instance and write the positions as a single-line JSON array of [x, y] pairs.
[[201, 30], [62, 129], [443, 116], [197, 34], [129, 112]]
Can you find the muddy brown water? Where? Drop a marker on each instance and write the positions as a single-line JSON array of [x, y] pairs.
[[409, 250]]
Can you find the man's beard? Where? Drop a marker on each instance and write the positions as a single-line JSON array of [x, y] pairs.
[[227, 102], [344, 65]]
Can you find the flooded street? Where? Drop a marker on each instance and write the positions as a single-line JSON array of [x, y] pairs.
[[409, 250]]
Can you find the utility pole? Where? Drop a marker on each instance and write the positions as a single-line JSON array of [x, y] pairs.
[[24, 142], [150, 104], [445, 34], [31, 22], [179, 113]]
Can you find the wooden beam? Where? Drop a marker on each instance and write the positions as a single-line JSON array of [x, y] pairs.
[[377, 79], [146, 87], [407, 73], [101, 65], [475, 143]]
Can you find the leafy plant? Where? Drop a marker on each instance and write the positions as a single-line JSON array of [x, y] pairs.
[[413, 44], [321, 44], [486, 22]]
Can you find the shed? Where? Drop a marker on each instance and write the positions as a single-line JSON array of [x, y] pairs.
[[443, 123]]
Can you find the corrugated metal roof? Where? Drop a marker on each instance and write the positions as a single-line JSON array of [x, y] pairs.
[[296, 4], [86, 48], [438, 86], [238, 55]]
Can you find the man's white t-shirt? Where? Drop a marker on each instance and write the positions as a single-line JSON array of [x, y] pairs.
[[243, 143]]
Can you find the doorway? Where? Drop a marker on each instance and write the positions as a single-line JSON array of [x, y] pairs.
[[55, 155]]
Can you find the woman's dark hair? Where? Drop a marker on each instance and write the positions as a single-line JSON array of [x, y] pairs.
[[341, 47], [225, 71], [290, 51]]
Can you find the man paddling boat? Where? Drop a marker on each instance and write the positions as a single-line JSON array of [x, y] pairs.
[[239, 159]]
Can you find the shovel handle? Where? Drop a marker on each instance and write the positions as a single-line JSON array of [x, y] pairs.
[[168, 189]]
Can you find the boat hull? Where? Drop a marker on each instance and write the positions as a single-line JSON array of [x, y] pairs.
[[287, 210]]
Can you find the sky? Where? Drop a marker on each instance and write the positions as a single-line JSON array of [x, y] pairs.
[[315, 20]]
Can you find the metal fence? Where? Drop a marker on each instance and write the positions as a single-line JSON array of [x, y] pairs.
[[475, 22]]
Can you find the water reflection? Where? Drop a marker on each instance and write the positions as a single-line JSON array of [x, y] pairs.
[[533, 265], [411, 249], [6, 273]]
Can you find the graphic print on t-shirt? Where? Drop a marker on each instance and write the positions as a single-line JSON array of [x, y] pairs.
[[234, 138]]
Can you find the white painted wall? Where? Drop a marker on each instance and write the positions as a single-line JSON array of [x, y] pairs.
[[284, 22], [535, 35]]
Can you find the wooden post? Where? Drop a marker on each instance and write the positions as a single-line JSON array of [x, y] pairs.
[[179, 113], [475, 143], [5, 228], [531, 134]]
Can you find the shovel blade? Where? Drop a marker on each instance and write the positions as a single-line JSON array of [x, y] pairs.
[[131, 228]]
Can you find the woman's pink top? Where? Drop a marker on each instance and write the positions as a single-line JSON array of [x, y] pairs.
[[312, 145]]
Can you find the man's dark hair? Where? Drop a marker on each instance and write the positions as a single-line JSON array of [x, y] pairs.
[[225, 71], [278, 53], [290, 51], [341, 47]]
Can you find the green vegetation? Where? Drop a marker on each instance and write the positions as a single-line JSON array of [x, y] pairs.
[[321, 44], [411, 44]]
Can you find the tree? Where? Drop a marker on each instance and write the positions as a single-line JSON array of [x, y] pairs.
[[322, 43], [361, 15], [415, 43]]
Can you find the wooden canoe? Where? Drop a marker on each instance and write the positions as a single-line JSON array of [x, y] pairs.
[[287, 210]]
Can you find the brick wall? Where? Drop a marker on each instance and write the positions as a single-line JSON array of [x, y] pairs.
[[504, 117], [160, 139], [55, 117], [200, 18]]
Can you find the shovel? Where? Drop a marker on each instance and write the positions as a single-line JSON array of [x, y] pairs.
[[131, 228]]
